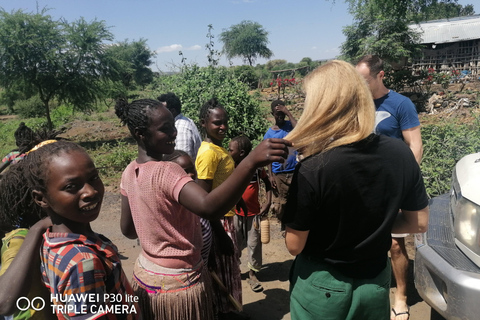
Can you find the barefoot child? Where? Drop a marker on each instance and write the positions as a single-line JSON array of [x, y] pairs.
[[161, 205], [280, 174], [214, 165], [77, 263], [247, 224]]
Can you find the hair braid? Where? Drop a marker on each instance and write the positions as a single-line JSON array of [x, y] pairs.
[[243, 143], [134, 115]]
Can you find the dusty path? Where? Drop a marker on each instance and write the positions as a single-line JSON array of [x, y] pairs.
[[273, 302]]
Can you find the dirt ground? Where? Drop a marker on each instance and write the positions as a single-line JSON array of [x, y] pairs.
[[273, 302]]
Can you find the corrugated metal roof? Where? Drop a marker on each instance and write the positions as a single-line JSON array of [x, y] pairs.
[[449, 30]]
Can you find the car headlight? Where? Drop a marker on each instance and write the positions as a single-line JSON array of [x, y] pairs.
[[467, 223]]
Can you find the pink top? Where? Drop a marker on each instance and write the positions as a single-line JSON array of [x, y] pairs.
[[169, 234]]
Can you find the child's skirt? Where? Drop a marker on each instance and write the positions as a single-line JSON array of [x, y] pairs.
[[228, 270], [172, 294]]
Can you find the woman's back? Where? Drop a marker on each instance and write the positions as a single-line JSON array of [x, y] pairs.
[[349, 197]]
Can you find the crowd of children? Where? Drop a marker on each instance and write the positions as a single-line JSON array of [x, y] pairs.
[[186, 223], [192, 217], [53, 192]]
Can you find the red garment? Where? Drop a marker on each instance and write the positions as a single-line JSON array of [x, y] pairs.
[[250, 196]]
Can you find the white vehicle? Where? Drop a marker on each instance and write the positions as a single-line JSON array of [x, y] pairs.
[[447, 261]]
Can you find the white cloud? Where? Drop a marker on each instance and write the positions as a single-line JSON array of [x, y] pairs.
[[314, 48], [177, 47], [194, 48], [170, 48]]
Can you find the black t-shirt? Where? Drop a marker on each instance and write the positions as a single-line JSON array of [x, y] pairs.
[[348, 198]]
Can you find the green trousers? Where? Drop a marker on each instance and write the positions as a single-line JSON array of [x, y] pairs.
[[319, 291]]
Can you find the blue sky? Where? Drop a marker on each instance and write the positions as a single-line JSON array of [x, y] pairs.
[[297, 29]]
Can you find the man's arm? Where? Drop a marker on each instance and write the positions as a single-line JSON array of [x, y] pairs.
[[411, 221], [413, 139]]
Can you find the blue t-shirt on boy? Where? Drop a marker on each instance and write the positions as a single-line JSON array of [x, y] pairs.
[[289, 164]]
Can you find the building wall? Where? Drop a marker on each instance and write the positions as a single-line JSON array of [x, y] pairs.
[[445, 57]]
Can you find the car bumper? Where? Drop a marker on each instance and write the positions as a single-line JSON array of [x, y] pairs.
[[444, 277]]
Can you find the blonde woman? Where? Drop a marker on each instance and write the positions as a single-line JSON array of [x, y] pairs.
[[344, 199]]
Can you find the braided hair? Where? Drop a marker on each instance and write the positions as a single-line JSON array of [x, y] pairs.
[[243, 143], [23, 135], [134, 115], [17, 206]]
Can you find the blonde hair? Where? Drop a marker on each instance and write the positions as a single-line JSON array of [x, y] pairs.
[[339, 109]]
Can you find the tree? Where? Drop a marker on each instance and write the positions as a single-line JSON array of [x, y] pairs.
[[381, 27], [54, 59], [275, 63], [133, 59], [195, 85], [443, 10], [247, 40]]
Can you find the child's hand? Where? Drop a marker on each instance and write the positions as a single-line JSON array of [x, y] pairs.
[[281, 108], [268, 151]]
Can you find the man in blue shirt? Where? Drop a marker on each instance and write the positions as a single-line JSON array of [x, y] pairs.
[[396, 116]]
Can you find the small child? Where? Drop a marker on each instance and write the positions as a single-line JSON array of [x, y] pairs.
[[20, 268], [280, 174], [20, 262], [182, 158], [77, 263], [247, 224]]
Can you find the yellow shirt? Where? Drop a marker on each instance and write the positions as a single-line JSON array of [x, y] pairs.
[[10, 247], [214, 163]]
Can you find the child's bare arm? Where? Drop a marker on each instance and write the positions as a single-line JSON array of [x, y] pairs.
[[126, 220], [16, 280], [271, 177], [206, 185]]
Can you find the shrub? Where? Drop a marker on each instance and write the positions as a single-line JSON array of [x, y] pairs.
[[30, 108], [112, 158], [247, 75], [443, 146], [195, 85]]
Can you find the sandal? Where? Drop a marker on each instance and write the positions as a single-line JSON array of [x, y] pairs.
[[255, 285], [402, 313]]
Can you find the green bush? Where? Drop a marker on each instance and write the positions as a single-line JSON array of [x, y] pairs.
[[62, 114], [195, 85], [112, 158], [443, 146], [30, 108], [247, 75]]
